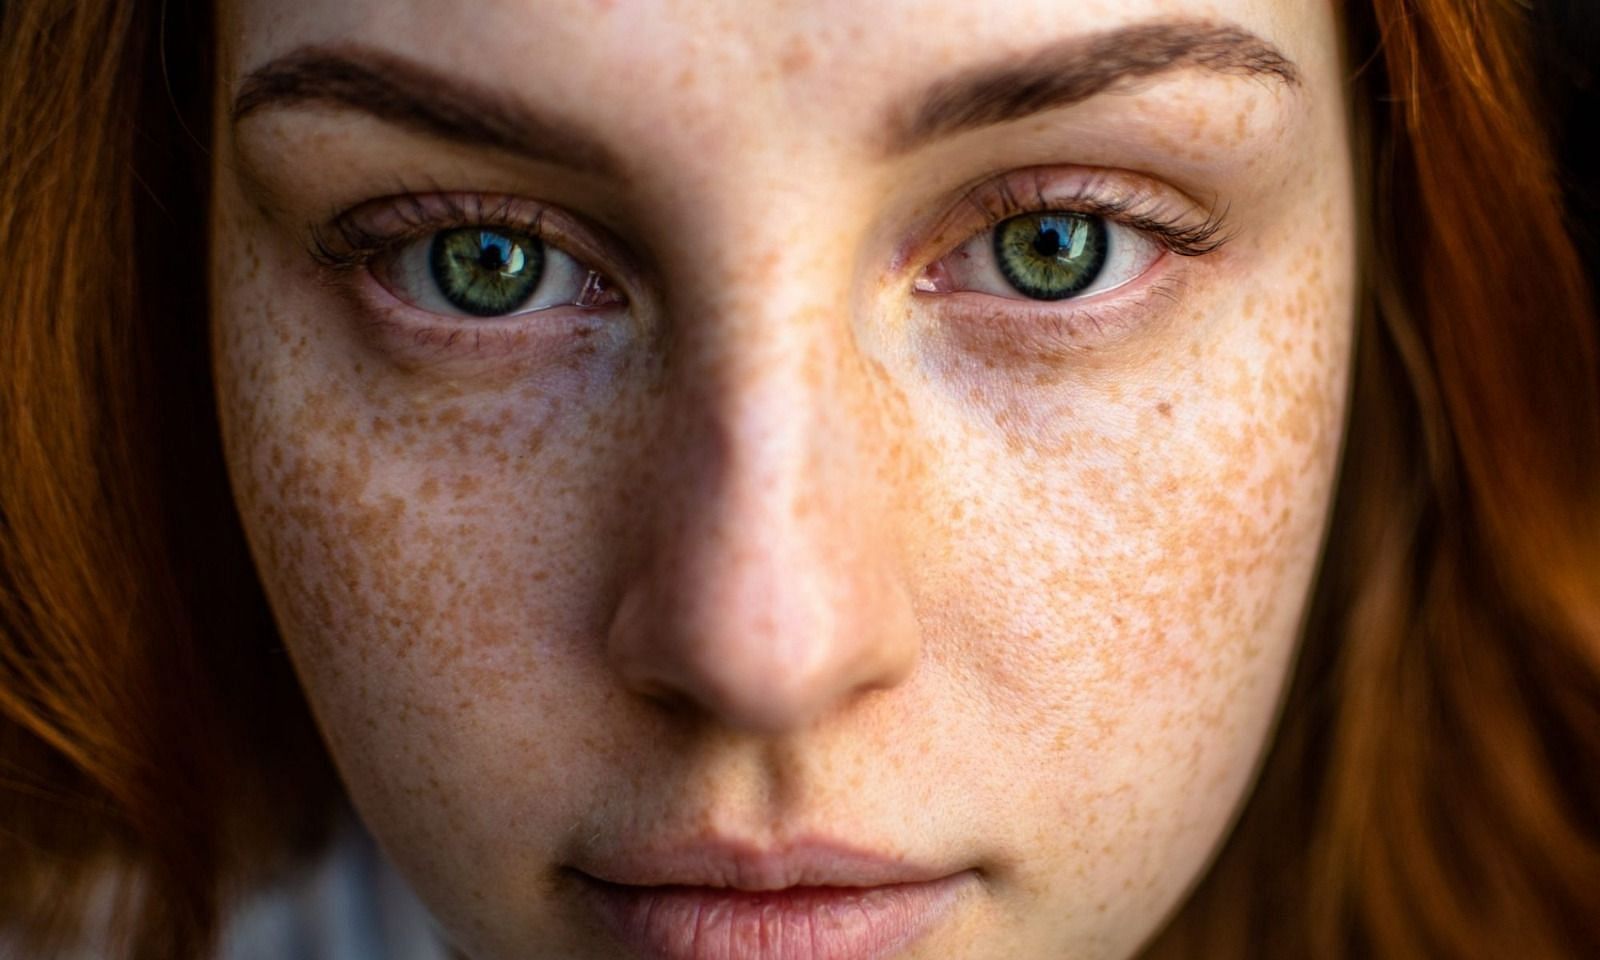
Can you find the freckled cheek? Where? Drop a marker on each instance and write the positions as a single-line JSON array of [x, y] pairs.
[[1158, 550], [437, 609], [410, 552], [430, 532]]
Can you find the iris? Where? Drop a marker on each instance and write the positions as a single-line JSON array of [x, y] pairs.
[[486, 272], [1051, 256]]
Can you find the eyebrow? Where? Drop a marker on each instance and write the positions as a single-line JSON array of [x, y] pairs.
[[1076, 69], [411, 95]]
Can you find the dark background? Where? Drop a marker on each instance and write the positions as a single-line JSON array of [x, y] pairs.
[[1567, 51]]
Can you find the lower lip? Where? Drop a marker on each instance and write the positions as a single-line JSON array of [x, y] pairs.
[[798, 923]]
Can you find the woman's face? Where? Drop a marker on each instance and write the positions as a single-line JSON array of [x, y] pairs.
[[900, 426]]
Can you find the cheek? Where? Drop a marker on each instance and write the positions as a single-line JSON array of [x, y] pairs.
[[1123, 562], [431, 555]]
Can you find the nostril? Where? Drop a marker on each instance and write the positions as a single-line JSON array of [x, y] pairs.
[[671, 701]]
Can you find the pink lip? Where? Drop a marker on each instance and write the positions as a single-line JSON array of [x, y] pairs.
[[798, 923], [720, 899]]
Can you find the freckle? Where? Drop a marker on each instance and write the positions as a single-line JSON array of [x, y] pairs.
[[380, 426], [795, 57], [429, 489], [765, 266], [314, 411], [465, 486], [1164, 408], [1098, 482]]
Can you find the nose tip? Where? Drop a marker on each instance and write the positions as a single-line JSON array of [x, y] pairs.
[[760, 641]]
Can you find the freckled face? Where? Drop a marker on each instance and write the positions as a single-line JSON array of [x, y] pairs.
[[677, 452]]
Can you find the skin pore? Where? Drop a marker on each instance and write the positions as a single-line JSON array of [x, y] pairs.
[[783, 515]]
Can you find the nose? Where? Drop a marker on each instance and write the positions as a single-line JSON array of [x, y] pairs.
[[770, 591]]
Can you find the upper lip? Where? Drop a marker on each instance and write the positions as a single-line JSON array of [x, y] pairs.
[[726, 862]]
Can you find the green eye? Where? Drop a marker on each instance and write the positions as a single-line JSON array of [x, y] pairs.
[[1050, 256], [485, 272]]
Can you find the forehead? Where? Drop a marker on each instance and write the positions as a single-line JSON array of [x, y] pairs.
[[717, 65]]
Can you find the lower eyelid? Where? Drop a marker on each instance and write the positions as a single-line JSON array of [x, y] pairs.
[[1012, 330], [419, 342]]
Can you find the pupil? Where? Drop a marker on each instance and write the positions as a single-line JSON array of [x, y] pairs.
[[491, 256], [1047, 243]]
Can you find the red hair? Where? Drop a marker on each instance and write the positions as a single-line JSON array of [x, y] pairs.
[[149, 718], [1434, 785]]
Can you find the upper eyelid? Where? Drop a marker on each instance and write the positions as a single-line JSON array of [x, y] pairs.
[[1131, 199], [351, 237], [1099, 188], [1185, 239]]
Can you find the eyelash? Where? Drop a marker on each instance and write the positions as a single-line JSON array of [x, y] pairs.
[[1137, 207], [344, 244]]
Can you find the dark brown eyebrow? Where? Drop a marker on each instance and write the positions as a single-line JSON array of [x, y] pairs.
[[1076, 69], [407, 93]]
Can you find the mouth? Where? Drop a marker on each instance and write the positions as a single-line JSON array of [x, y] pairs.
[[683, 922], [815, 898]]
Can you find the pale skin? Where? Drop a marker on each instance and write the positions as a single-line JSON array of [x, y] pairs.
[[783, 537]]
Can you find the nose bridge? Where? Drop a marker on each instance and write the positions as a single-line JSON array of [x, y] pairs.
[[770, 593], [764, 355]]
